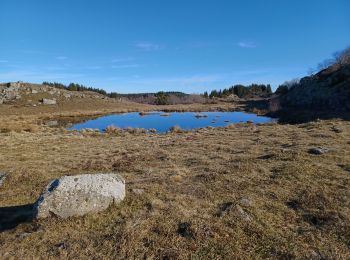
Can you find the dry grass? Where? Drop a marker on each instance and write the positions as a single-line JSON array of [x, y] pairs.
[[244, 191]]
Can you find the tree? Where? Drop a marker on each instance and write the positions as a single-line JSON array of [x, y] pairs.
[[213, 93], [291, 83], [162, 98], [268, 89], [342, 57], [225, 92], [281, 90], [113, 95], [205, 94]]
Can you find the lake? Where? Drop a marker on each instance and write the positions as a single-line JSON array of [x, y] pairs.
[[162, 121]]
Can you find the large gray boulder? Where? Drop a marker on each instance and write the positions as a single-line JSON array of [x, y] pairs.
[[78, 195]]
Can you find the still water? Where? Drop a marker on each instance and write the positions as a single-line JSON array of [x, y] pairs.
[[162, 121]]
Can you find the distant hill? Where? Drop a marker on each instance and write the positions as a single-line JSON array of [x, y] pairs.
[[28, 94]]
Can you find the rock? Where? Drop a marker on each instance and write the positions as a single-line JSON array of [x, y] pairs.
[[34, 91], [78, 195], [200, 115], [242, 214], [318, 150], [138, 191], [49, 101], [184, 230], [52, 123], [66, 95], [337, 130], [2, 178], [247, 202], [233, 209]]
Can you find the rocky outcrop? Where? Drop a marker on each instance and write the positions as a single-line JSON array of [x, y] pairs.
[[36, 94], [78, 195], [327, 90], [10, 91]]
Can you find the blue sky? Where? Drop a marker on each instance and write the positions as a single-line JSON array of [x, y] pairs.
[[185, 45]]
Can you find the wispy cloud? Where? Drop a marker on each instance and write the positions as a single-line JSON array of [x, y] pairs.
[[4, 61], [125, 66], [148, 46], [61, 58], [247, 44]]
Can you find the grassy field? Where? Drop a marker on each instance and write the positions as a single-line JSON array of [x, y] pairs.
[[243, 191]]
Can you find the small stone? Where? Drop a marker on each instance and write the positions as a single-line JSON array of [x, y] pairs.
[[152, 130], [318, 150], [184, 230], [52, 123], [24, 235], [2, 178], [246, 202], [46, 101], [337, 130], [138, 191], [242, 214]]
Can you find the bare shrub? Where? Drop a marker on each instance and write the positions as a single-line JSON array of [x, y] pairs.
[[176, 129]]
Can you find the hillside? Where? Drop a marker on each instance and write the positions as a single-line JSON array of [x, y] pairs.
[[324, 95], [29, 94], [327, 90]]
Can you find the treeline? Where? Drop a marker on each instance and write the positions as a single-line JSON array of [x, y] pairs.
[[241, 91], [76, 87], [159, 98], [163, 98], [145, 95]]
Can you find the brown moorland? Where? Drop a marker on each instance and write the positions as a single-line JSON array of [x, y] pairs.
[[243, 191]]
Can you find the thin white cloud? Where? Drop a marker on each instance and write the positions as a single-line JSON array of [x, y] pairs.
[[61, 58], [148, 46], [125, 66], [4, 61], [247, 44]]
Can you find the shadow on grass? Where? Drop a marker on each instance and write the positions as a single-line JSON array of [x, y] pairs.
[[251, 105], [295, 115], [11, 217]]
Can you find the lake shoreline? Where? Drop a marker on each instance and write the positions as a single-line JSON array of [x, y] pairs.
[[162, 122]]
